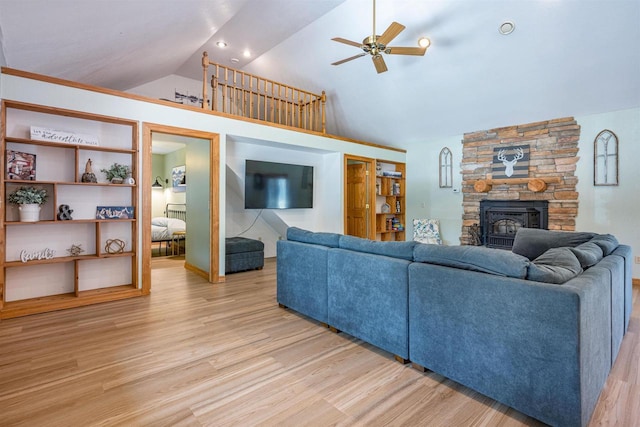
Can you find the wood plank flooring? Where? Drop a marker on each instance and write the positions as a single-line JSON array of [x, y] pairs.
[[196, 354]]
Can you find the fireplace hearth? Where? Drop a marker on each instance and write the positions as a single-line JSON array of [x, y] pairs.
[[501, 219]]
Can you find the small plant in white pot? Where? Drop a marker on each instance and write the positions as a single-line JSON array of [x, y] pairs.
[[29, 200], [117, 173]]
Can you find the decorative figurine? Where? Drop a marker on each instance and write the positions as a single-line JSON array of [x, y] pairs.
[[88, 175], [75, 250], [64, 213], [114, 246]]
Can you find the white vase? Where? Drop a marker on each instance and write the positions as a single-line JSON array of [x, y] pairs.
[[29, 212]]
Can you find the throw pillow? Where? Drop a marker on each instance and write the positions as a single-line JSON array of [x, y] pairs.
[[607, 243], [556, 265], [533, 242], [588, 254]]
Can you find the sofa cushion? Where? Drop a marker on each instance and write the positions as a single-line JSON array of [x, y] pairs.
[[403, 250], [475, 258], [607, 243], [315, 238], [556, 265], [533, 242], [588, 254]]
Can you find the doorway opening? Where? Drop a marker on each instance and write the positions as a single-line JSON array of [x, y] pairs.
[[194, 189]]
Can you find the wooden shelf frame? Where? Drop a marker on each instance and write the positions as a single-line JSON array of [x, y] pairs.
[[112, 130]]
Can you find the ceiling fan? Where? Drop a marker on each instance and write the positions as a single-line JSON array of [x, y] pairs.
[[375, 45]]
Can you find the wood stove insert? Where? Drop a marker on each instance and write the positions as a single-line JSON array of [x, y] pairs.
[[500, 219]]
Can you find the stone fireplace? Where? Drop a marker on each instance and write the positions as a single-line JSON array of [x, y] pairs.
[[553, 154], [500, 219]]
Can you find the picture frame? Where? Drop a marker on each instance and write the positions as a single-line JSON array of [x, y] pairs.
[[179, 179], [21, 166], [114, 212]]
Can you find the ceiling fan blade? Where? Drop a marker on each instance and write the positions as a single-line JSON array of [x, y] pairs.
[[345, 41], [390, 33], [378, 61], [406, 50], [349, 59]]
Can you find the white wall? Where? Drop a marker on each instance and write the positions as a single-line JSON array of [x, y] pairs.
[[602, 209], [3, 58], [425, 198], [271, 224], [157, 194], [615, 209]]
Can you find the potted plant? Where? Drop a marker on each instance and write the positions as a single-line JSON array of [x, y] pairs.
[[28, 200], [117, 173]]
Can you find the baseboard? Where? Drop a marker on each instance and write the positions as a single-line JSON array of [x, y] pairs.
[[196, 270]]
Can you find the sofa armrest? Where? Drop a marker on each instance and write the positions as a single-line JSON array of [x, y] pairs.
[[302, 278]]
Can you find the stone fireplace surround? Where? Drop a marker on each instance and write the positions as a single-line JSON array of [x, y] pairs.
[[553, 153]]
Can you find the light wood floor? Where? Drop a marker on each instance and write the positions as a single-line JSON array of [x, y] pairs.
[[196, 354]]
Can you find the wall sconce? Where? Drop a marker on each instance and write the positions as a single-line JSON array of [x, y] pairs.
[[158, 184]]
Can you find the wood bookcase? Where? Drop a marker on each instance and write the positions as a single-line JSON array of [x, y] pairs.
[[390, 193], [65, 280]]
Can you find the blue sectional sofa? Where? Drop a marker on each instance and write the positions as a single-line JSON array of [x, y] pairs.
[[537, 329]]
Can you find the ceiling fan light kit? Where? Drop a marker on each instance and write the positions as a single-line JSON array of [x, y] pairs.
[[375, 45]]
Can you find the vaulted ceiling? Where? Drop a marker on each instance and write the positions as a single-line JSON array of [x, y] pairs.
[[565, 57]]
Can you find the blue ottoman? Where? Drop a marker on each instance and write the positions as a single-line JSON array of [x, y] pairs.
[[243, 254]]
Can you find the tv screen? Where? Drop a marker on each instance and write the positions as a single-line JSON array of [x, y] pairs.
[[270, 185]]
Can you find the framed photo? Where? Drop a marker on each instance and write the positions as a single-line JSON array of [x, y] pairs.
[[114, 212], [21, 165], [179, 179]]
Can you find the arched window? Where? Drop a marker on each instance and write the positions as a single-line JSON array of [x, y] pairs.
[[605, 158], [446, 168]]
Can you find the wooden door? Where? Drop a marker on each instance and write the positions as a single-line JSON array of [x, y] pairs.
[[357, 203]]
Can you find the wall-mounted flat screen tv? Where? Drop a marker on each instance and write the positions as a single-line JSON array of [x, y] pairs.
[[269, 185]]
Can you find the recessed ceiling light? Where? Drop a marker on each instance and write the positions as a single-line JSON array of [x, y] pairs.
[[506, 27], [246, 53], [221, 44], [424, 42]]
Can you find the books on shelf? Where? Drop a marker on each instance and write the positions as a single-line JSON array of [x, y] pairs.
[[392, 174]]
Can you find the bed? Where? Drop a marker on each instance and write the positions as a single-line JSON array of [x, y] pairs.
[[171, 227]]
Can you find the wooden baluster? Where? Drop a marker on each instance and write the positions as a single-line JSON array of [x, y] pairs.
[[244, 96], [280, 104], [251, 96], [214, 93], [324, 117], [205, 66], [300, 100], [271, 106], [224, 98], [310, 108]]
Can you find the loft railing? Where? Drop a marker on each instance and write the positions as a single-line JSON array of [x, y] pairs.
[[242, 94]]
